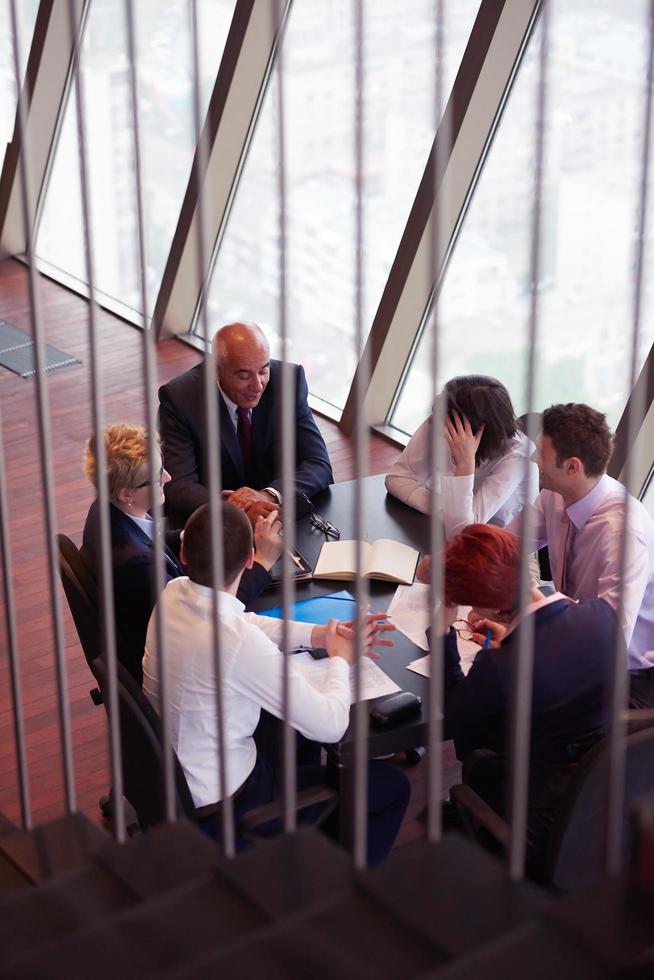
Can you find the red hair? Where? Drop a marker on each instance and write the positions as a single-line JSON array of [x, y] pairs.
[[482, 568]]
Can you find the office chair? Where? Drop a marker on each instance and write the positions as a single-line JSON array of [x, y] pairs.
[[576, 847], [143, 767], [81, 591]]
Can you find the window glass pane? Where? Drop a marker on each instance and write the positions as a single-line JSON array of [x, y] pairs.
[[26, 15], [590, 200], [648, 496], [319, 65], [167, 141]]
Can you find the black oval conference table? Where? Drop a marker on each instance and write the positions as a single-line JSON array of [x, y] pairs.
[[384, 517]]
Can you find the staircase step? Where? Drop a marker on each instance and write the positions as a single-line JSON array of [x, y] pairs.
[[7, 826], [167, 856], [53, 848], [535, 949], [290, 873], [11, 879], [149, 939], [614, 919], [455, 893], [58, 908], [348, 936]]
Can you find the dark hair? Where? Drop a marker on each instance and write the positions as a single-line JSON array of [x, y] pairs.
[[237, 543], [581, 431], [484, 401], [482, 568]]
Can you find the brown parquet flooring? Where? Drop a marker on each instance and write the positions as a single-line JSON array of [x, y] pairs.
[[65, 321]]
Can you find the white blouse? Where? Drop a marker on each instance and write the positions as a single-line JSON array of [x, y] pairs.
[[493, 494]]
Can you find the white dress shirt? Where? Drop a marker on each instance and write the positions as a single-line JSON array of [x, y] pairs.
[[252, 666], [493, 494], [592, 567]]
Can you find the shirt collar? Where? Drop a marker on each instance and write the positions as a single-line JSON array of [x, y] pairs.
[[583, 509], [231, 407], [227, 601], [145, 523], [533, 607]]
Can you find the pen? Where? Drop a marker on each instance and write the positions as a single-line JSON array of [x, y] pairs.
[[487, 640]]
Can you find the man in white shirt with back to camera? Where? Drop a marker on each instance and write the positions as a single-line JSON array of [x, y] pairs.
[[252, 669], [580, 514]]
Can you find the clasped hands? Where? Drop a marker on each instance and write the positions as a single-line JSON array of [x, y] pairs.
[[265, 515], [255, 503], [338, 638]]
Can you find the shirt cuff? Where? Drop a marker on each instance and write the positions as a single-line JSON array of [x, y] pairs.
[[300, 634], [273, 493], [338, 665]]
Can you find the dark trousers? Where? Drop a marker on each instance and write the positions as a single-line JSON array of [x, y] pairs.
[[641, 688], [388, 797]]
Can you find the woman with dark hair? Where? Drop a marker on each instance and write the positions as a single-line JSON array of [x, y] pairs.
[[574, 646], [485, 453]]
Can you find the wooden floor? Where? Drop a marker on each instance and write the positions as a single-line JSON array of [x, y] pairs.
[[65, 320]]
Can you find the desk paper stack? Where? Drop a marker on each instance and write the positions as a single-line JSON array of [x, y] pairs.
[[374, 682]]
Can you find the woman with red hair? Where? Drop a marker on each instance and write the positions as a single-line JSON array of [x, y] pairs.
[[574, 645]]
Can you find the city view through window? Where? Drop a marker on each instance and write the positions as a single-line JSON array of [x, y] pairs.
[[319, 114], [596, 92], [26, 14], [165, 73]]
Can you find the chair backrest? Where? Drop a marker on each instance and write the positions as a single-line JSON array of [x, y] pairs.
[[81, 591], [142, 751], [577, 841]]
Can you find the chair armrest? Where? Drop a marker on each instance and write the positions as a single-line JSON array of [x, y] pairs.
[[637, 719], [472, 807], [267, 812]]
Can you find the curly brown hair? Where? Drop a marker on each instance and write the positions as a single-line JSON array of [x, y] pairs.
[[581, 431]]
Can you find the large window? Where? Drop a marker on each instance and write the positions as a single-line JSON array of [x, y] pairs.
[[26, 14], [319, 106], [167, 141], [593, 157]]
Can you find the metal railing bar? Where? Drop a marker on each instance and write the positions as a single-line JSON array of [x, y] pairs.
[[106, 564], [45, 447]]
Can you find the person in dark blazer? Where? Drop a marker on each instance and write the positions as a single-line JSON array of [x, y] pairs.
[[131, 531], [574, 648], [249, 383]]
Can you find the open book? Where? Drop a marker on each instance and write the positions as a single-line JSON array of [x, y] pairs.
[[385, 559]]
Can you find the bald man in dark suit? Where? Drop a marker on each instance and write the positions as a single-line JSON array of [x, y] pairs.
[[249, 389]]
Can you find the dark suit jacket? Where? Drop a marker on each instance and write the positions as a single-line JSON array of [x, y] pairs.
[[184, 438], [574, 647], [133, 579]]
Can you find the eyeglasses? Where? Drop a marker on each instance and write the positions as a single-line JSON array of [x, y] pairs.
[[322, 524], [464, 629], [148, 483]]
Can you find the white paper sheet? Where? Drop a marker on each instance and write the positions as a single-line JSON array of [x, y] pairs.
[[409, 612], [467, 651], [374, 682]]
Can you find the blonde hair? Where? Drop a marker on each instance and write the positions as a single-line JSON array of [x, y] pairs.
[[126, 450]]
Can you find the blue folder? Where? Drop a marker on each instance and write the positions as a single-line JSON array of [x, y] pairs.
[[320, 609]]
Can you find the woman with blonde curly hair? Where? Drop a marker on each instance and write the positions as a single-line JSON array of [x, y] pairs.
[[132, 531]]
